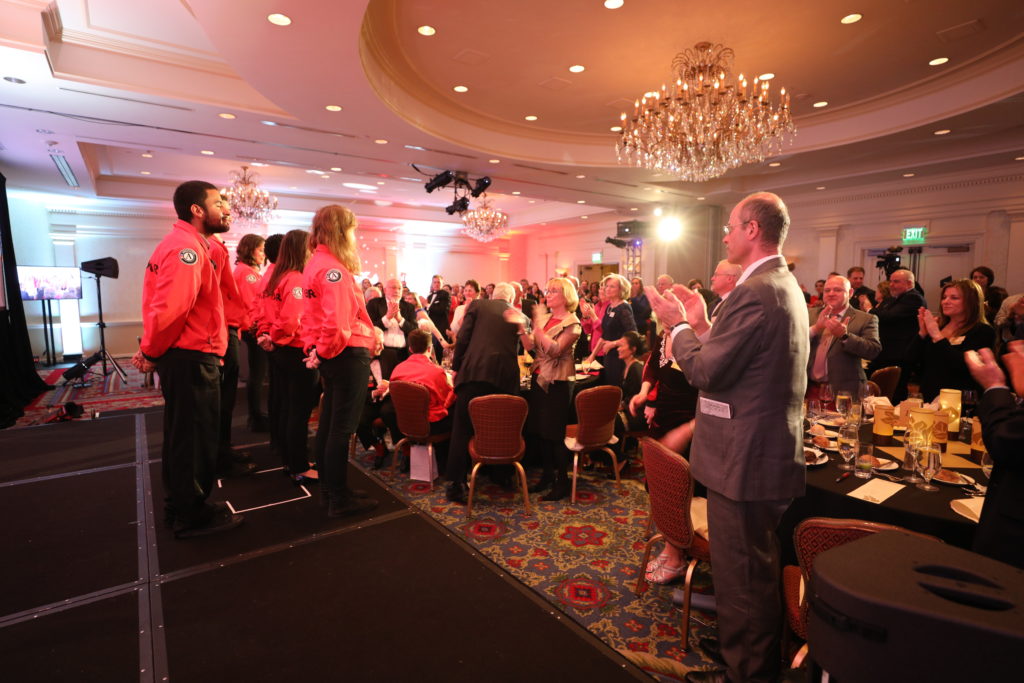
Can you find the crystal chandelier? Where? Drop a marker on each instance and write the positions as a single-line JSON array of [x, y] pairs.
[[249, 204], [705, 123], [485, 223]]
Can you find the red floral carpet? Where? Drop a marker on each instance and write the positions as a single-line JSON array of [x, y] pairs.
[[582, 558]]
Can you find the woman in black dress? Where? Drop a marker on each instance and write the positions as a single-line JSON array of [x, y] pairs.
[[617, 320]]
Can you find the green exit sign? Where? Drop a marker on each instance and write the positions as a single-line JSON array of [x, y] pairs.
[[595, 257], [914, 235]]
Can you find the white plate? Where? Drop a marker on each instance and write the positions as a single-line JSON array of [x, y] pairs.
[[836, 421], [886, 465], [830, 434], [965, 480], [820, 460]]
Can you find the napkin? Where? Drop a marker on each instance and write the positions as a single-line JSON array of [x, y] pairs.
[[968, 507], [871, 401], [876, 490]]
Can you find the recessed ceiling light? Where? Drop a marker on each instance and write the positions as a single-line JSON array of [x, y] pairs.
[[530, 117], [269, 123], [426, 30], [613, 4], [821, 104], [258, 163], [1018, 158], [360, 186], [278, 19], [944, 131], [325, 176], [515, 192], [494, 161], [380, 182], [938, 61], [206, 152], [333, 107], [226, 115], [908, 175], [766, 76], [581, 176], [144, 172], [851, 18], [147, 155], [616, 129], [700, 199], [633, 208], [460, 88], [12, 79], [581, 201], [584, 217], [577, 68], [335, 168], [380, 141], [775, 164], [820, 187], [531, 201]]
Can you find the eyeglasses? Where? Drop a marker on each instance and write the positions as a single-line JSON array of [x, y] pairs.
[[728, 227]]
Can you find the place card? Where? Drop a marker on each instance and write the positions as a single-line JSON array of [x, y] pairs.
[[968, 507], [876, 490]]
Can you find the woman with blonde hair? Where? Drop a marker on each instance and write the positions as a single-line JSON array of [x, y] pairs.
[[616, 321], [337, 336]]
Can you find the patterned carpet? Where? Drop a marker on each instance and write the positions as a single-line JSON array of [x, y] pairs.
[[582, 558]]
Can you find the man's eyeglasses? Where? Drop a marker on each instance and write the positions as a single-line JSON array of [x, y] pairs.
[[728, 228]]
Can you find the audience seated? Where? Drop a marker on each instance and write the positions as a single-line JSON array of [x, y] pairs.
[[421, 369], [992, 295], [1009, 321]]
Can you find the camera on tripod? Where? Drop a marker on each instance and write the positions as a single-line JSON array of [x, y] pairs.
[[890, 260]]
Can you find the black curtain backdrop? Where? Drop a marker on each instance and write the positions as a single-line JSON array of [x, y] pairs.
[[19, 382]]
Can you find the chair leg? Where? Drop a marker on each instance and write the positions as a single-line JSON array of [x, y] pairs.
[[522, 485], [575, 474], [687, 587], [641, 582], [615, 464], [472, 488], [398, 450]]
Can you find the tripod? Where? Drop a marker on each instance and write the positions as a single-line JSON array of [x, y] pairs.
[[107, 358]]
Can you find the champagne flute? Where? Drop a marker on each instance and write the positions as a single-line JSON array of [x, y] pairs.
[[930, 462], [847, 446]]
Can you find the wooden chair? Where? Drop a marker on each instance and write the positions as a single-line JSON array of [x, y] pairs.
[[887, 380], [498, 438], [412, 410], [872, 389], [596, 409], [812, 536], [670, 487]]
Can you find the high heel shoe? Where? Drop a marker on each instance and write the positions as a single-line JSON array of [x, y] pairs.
[[666, 574]]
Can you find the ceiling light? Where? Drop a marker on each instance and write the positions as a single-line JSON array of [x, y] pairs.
[[426, 30], [494, 161], [206, 152], [584, 217], [481, 186], [613, 4], [766, 76], [820, 187], [658, 211], [515, 192], [485, 223], [65, 169], [12, 79], [360, 186], [531, 201], [380, 141], [700, 199], [908, 175], [944, 131], [1018, 158], [333, 107], [325, 176], [530, 117], [669, 229], [335, 168], [144, 172], [382, 202], [819, 105], [460, 205], [581, 201], [278, 19], [438, 181], [269, 123], [615, 129], [722, 132], [380, 182], [851, 18], [938, 61], [250, 204], [258, 163], [775, 164], [577, 68], [580, 176], [147, 155], [460, 88], [632, 208], [226, 115]]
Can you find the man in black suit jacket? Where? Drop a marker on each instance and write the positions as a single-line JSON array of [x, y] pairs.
[[897, 326], [397, 318], [484, 363], [1000, 533], [439, 306]]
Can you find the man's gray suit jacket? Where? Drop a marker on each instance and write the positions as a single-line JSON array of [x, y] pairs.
[[843, 361]]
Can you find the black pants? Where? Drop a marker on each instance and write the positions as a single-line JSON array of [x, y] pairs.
[[545, 426], [297, 386], [275, 408], [257, 361], [345, 377], [462, 427], [190, 383], [390, 356], [383, 409], [228, 392]]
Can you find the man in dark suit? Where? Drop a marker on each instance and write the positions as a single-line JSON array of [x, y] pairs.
[[397, 318], [751, 370], [484, 363], [840, 337], [1000, 533], [439, 307], [897, 326], [856, 277]]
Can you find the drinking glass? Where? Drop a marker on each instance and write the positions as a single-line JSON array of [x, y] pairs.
[[865, 458], [856, 412], [843, 402], [986, 464], [912, 445], [813, 411], [930, 462], [825, 394], [847, 446]]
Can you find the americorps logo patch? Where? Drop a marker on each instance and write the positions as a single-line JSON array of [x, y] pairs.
[[188, 256], [297, 292], [333, 275], [251, 277]]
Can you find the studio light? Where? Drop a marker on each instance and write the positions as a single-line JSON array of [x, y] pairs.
[[458, 206], [78, 370], [481, 186], [440, 180], [670, 229], [621, 244]]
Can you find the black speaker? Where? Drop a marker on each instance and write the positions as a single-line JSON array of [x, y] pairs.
[[895, 607], [104, 267], [631, 229]]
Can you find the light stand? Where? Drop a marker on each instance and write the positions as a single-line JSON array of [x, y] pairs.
[[104, 267]]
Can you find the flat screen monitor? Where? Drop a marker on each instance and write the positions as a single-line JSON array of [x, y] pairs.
[[49, 282]]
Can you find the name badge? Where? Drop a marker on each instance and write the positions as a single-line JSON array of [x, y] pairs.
[[715, 408]]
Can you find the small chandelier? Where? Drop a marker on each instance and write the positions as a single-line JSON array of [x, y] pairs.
[[485, 223], [705, 123], [249, 203]]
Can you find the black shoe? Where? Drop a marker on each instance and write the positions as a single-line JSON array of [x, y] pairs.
[[543, 485], [712, 648], [457, 493], [222, 519], [560, 490], [710, 676], [236, 469], [347, 507]]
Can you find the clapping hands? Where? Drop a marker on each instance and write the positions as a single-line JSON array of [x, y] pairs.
[[927, 324]]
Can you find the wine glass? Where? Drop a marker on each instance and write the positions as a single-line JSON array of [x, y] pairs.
[[825, 394], [843, 403], [929, 462], [847, 446], [987, 464], [813, 411]]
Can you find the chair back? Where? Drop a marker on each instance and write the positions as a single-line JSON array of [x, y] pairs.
[[498, 422], [871, 389], [671, 489], [596, 409], [412, 408], [887, 380]]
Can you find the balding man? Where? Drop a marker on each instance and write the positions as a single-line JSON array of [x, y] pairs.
[[723, 281], [664, 283], [897, 326], [747, 444], [840, 337], [397, 318]]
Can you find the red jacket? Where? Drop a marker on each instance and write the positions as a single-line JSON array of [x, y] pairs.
[[261, 322], [250, 287], [181, 301], [235, 311], [335, 315], [423, 371], [284, 310]]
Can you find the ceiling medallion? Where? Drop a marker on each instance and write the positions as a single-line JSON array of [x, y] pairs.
[[485, 223], [249, 204], [706, 123]]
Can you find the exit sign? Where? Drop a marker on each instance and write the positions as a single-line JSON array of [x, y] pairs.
[[914, 234], [595, 257]]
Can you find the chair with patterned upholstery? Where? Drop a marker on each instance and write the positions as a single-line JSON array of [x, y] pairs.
[[678, 515], [497, 438], [596, 409], [887, 380], [812, 536], [412, 410]]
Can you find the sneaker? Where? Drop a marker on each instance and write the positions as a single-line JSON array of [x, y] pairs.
[[347, 507], [222, 519]]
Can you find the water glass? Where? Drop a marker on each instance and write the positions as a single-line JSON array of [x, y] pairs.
[[929, 463], [843, 402], [911, 446], [848, 443], [865, 460], [813, 411]]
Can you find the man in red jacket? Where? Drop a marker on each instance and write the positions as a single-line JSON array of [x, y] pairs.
[[184, 338], [421, 369]]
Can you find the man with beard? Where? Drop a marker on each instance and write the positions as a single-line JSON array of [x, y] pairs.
[[184, 338]]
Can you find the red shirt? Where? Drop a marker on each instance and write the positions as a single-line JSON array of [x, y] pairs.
[[250, 287], [235, 311], [423, 371], [261, 322], [335, 314], [284, 310], [182, 306]]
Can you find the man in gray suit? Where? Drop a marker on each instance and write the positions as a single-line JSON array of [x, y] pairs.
[[840, 337], [751, 370]]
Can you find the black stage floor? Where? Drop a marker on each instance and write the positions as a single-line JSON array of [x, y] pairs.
[[96, 589]]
